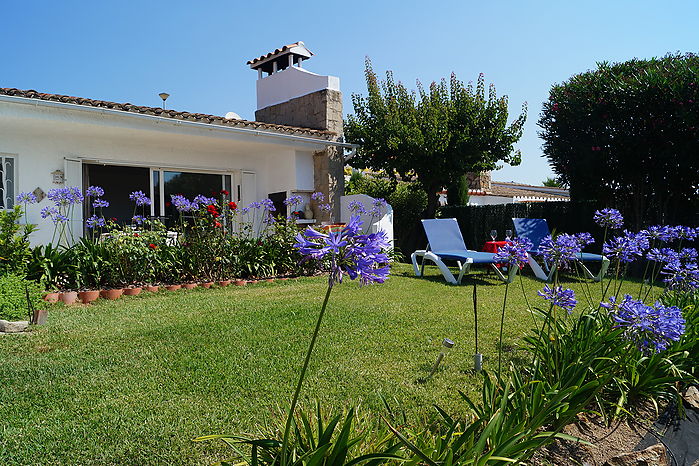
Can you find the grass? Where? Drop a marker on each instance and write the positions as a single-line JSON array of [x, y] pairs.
[[133, 381]]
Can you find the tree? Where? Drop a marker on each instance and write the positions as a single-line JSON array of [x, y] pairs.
[[457, 192], [626, 135], [551, 183], [436, 134]]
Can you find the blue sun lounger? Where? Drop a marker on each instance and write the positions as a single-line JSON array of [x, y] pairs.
[[445, 242], [535, 230]]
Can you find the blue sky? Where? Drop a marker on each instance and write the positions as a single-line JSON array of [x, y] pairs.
[[129, 51]]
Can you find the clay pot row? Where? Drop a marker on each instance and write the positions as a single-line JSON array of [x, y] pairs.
[[86, 297]]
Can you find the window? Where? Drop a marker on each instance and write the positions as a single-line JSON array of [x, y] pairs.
[[7, 181], [118, 182], [191, 185]]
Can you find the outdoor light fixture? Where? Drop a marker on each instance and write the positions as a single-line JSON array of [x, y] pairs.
[[164, 96], [448, 344]]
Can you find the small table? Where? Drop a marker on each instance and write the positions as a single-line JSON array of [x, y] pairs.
[[493, 246]]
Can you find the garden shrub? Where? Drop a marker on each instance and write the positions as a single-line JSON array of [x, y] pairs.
[[378, 188], [627, 134], [13, 297], [14, 242]]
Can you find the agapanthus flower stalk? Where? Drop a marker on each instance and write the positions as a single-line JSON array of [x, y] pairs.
[[343, 253]]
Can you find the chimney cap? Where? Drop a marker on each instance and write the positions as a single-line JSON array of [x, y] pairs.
[[297, 49]]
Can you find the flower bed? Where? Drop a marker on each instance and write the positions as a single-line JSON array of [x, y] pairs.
[[209, 241]]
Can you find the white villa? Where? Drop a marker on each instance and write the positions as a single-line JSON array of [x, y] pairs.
[[295, 146]]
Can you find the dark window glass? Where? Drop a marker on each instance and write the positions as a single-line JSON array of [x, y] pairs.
[[189, 185], [118, 182]]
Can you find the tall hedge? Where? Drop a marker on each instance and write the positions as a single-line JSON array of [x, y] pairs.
[[626, 135]]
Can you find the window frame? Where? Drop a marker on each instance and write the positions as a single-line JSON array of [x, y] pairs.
[[3, 181]]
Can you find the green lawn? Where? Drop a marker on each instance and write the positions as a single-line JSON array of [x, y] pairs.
[[133, 381]]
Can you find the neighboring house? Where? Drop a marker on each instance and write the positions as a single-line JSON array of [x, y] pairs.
[[295, 147], [483, 191]]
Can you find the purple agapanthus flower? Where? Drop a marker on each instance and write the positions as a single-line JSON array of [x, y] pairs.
[[660, 232], [94, 191], [318, 196], [626, 248], [514, 253], [26, 198], [347, 252], [181, 203], [293, 200], [65, 196], [268, 204], [609, 218], [95, 221], [140, 198], [681, 275], [324, 207], [559, 296], [379, 203], [48, 211], [560, 251], [687, 233], [649, 327], [357, 207], [664, 255], [201, 200], [584, 239], [100, 203], [138, 219]]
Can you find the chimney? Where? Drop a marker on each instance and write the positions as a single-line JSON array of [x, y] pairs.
[[478, 181], [288, 94]]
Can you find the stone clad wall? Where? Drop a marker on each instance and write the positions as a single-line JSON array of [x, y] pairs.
[[318, 110]]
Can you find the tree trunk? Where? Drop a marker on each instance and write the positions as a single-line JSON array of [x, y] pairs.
[[432, 200]]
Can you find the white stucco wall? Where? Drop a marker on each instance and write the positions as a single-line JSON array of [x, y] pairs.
[[42, 138], [489, 200], [290, 83]]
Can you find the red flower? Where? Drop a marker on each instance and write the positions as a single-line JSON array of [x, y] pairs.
[[136, 234], [152, 246], [232, 205], [224, 193], [217, 225], [113, 219]]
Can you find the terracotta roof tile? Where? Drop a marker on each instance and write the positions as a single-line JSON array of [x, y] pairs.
[[274, 52], [198, 117]]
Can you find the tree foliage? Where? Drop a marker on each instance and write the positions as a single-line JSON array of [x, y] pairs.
[[627, 135], [551, 183], [436, 134]]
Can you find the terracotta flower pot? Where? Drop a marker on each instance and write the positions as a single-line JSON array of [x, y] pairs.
[[86, 297], [206, 284], [152, 288], [68, 297], [189, 286], [252, 282], [173, 287], [51, 297], [112, 294], [39, 316], [223, 283], [240, 283], [134, 291], [270, 280]]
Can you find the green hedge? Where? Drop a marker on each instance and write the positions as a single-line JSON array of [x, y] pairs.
[[477, 221]]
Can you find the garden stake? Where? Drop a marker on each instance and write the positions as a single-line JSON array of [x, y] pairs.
[[478, 357], [448, 344]]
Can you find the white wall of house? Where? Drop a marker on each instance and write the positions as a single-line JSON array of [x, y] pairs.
[[41, 138], [489, 200]]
